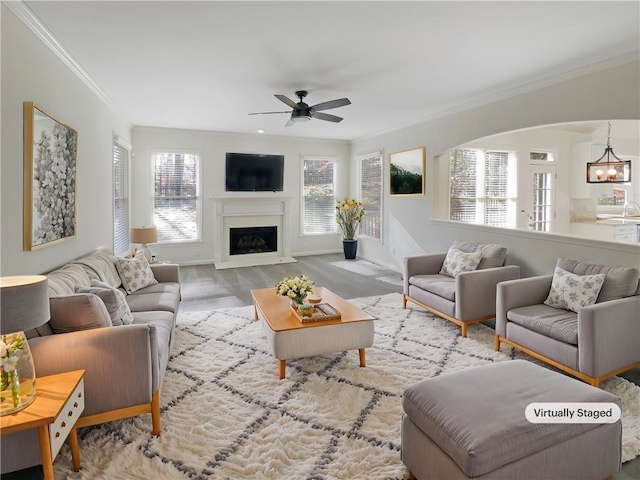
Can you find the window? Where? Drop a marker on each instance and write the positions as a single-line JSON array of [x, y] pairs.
[[483, 187], [120, 199], [542, 197], [371, 194], [319, 205], [176, 210]]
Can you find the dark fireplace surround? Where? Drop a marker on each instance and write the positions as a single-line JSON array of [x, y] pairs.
[[251, 240]]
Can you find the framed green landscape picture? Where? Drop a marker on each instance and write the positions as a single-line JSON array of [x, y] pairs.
[[406, 172]]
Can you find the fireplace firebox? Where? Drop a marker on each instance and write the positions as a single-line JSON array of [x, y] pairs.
[[247, 240]]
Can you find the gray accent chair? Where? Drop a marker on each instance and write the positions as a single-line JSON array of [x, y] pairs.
[[468, 298], [594, 344]]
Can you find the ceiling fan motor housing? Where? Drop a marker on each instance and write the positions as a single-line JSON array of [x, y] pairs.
[[301, 114]]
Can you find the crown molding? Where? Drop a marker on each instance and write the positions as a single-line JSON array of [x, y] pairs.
[[26, 16]]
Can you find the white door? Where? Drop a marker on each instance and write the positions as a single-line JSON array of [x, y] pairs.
[[541, 211]]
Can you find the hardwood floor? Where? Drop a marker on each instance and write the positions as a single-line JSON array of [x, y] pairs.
[[205, 288]]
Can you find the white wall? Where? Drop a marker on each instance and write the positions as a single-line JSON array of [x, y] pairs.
[[613, 93], [213, 147], [32, 72]]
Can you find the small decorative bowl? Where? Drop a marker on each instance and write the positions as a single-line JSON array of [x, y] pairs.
[[313, 298]]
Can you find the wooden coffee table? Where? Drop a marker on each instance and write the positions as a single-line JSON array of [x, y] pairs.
[[289, 338]]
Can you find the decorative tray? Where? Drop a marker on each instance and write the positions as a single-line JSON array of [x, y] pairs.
[[321, 313]]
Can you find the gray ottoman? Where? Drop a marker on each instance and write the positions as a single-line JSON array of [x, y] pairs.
[[471, 424]]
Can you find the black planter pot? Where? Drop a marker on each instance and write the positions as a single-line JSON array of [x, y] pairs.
[[350, 248]]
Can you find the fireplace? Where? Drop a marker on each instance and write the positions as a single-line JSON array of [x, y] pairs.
[[243, 241], [252, 231]]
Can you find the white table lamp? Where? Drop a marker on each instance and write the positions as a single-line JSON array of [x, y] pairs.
[[143, 236]]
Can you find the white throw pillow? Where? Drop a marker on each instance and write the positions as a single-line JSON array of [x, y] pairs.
[[572, 292], [458, 261], [113, 299], [135, 272]]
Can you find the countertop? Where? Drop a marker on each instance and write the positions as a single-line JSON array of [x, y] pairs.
[[619, 221]]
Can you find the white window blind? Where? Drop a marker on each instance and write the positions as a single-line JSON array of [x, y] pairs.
[[120, 199], [319, 204], [371, 194], [463, 185], [483, 186], [176, 196], [496, 168]]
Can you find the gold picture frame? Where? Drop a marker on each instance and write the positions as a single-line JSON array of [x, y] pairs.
[[50, 159], [407, 172]]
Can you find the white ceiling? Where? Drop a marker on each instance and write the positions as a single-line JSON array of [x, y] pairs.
[[206, 65]]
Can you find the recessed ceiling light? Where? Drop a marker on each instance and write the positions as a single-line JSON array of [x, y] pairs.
[[260, 131]]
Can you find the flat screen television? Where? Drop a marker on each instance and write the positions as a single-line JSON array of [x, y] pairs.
[[252, 172]]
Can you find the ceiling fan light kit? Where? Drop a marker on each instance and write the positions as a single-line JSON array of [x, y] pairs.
[[303, 113]]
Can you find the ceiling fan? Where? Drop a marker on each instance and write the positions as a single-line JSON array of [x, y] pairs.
[[303, 113]]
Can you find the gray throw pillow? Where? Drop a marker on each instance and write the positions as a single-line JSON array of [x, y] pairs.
[[492, 255], [113, 299], [135, 272], [620, 282], [71, 313]]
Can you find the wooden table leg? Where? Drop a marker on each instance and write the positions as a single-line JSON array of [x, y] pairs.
[[75, 451], [282, 366], [363, 359], [255, 312], [45, 451]]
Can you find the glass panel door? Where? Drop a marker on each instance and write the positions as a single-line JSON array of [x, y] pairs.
[[542, 204]]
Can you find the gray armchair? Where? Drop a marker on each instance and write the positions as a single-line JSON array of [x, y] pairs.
[[467, 298], [594, 344]]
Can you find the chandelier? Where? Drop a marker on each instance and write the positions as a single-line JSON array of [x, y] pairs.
[[609, 168]]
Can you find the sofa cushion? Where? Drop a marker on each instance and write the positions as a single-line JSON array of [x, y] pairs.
[[113, 299], [458, 261], [135, 272], [573, 292], [82, 311], [620, 282], [101, 266], [492, 255], [440, 285], [161, 287], [64, 280], [548, 321], [149, 302]]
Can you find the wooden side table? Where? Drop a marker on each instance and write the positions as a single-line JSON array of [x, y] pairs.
[[58, 405]]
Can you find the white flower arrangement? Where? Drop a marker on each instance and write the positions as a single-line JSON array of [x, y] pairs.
[[295, 288], [10, 350]]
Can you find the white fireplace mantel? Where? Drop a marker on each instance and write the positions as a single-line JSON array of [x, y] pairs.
[[239, 212]]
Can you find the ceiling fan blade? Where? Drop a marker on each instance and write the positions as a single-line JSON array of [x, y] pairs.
[[287, 100], [267, 113], [339, 102], [289, 123], [327, 117]]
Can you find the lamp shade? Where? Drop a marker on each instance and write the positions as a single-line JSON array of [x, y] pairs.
[[143, 235], [24, 303]]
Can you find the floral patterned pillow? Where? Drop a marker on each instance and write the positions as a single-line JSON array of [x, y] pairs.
[[458, 261], [135, 272], [572, 292]]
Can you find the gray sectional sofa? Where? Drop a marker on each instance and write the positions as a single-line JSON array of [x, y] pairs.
[[125, 364]]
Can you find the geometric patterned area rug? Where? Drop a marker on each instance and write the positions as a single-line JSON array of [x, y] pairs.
[[225, 414]]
